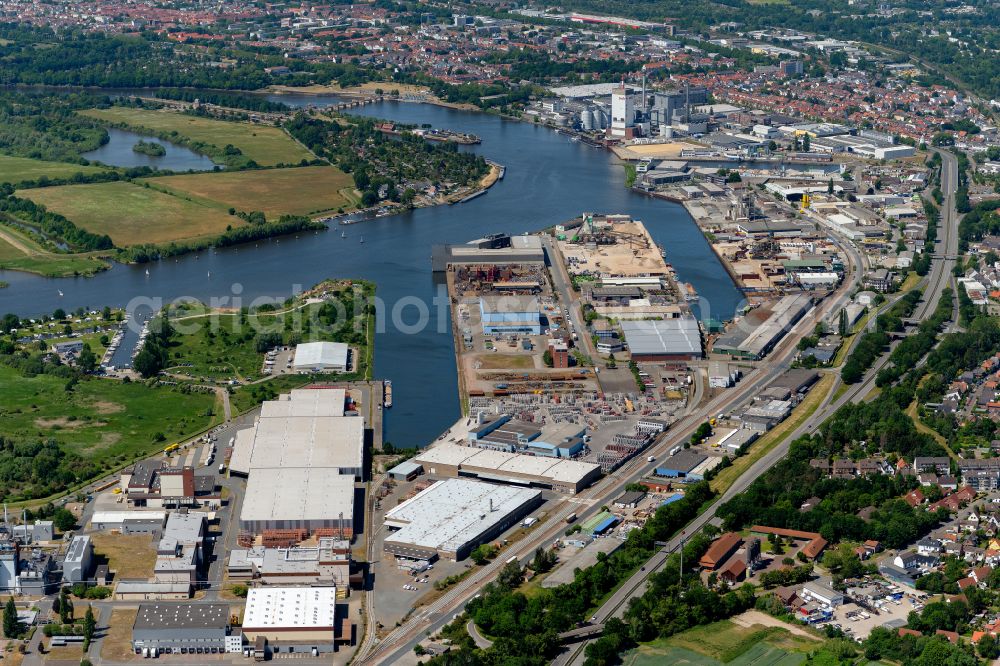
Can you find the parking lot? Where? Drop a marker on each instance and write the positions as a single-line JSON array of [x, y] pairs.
[[857, 621]]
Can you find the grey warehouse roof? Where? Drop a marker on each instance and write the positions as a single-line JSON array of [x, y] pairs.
[[182, 616], [667, 336]]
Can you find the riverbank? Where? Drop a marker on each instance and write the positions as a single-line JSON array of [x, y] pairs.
[[407, 93], [700, 215], [549, 179]]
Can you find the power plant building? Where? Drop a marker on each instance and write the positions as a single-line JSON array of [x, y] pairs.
[[453, 516], [453, 460]]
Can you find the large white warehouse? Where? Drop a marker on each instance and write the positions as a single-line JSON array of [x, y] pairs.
[[454, 516]]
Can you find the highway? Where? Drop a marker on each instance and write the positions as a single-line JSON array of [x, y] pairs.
[[937, 279]]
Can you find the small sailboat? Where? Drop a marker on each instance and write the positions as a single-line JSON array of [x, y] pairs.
[[147, 272], [362, 239], [210, 274], [343, 234]]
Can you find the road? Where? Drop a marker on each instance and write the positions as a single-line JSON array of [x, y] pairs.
[[937, 279], [610, 380], [429, 619]]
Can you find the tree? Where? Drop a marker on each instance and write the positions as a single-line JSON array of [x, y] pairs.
[[63, 519], [11, 627], [87, 359], [988, 647], [65, 606], [89, 625]]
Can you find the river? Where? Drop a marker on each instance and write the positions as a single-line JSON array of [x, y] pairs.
[[549, 180]]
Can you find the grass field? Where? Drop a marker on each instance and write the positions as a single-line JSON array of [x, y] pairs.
[[302, 191], [500, 361], [131, 214], [128, 555], [803, 411], [105, 421], [223, 346], [264, 144], [18, 169], [724, 642], [117, 644], [21, 253]]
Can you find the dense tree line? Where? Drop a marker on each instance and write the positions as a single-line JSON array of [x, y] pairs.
[[46, 126], [866, 428], [286, 224], [916, 345], [377, 160], [981, 220], [155, 352], [872, 344], [232, 100]]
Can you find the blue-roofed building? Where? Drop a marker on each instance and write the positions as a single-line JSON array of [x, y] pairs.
[[673, 498], [605, 525], [506, 315]]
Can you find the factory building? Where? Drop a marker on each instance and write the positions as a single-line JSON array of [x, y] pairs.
[[128, 522], [510, 314], [79, 560], [452, 460], [307, 499], [321, 357], [681, 465], [754, 342], [495, 249], [301, 458], [179, 551], [326, 563], [663, 340], [192, 628], [295, 620], [453, 516], [150, 483]]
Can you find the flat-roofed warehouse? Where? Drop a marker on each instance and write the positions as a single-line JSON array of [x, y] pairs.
[[298, 498], [750, 341], [306, 428], [188, 628], [453, 516], [321, 357], [663, 340], [452, 460], [293, 616]]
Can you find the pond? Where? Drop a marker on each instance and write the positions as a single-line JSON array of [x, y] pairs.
[[118, 152]]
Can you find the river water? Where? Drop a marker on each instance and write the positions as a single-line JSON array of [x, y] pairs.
[[549, 180], [118, 152]]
